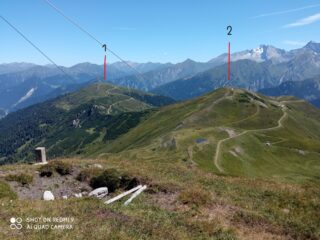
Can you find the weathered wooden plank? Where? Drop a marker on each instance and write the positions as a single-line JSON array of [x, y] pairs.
[[123, 194], [135, 194]]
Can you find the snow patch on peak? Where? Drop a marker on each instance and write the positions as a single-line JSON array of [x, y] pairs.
[[258, 50]]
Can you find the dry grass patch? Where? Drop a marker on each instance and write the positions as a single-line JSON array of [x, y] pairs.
[[22, 178], [61, 167], [87, 174], [195, 196]]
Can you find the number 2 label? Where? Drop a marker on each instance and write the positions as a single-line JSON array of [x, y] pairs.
[[229, 29]]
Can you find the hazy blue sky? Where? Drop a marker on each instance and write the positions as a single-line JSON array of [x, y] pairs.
[[154, 30]]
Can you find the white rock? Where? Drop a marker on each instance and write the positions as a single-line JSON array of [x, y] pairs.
[[96, 165], [65, 197], [99, 192], [78, 195], [48, 196]]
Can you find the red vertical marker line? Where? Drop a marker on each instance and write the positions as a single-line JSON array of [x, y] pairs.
[[105, 67], [229, 61]]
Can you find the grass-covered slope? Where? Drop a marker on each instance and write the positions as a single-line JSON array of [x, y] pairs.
[[233, 132], [67, 124], [185, 154]]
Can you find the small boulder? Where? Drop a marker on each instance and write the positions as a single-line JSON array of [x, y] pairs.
[[64, 197], [48, 196], [99, 192]]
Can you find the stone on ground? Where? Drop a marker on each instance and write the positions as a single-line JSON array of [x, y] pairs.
[[99, 192], [48, 196]]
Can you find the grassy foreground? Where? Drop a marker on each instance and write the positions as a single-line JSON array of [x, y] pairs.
[[182, 202]]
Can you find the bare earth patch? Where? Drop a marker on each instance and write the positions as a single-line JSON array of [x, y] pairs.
[[57, 184]]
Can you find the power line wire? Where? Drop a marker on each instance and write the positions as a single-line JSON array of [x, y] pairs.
[[91, 36], [40, 51], [73, 22], [34, 45]]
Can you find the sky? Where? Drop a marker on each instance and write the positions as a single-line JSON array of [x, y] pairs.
[[153, 30]]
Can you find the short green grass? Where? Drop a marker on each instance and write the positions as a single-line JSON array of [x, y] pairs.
[[6, 193]]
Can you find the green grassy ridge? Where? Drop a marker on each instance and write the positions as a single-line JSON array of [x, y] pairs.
[[288, 153], [167, 120], [106, 93], [197, 115]]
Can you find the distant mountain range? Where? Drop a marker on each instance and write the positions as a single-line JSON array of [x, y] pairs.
[[308, 89], [264, 67], [152, 79], [24, 84], [244, 74]]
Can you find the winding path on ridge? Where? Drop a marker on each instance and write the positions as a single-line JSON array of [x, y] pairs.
[[218, 149], [109, 92], [190, 148]]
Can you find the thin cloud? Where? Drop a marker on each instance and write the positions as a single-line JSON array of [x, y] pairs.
[[294, 43], [304, 21], [286, 11]]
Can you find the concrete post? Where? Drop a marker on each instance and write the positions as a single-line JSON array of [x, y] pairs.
[[41, 154]]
